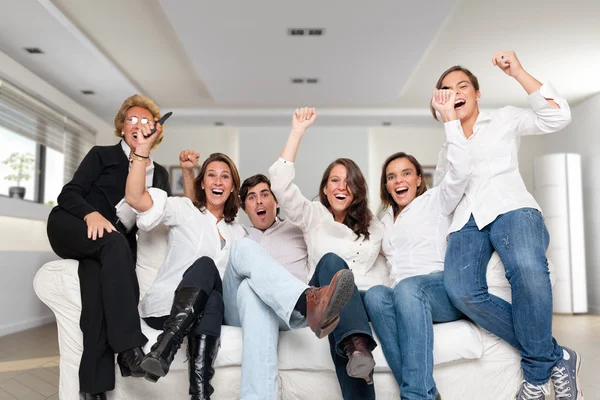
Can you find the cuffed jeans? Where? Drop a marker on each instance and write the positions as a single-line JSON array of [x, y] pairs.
[[403, 319], [520, 237], [353, 320], [260, 296]]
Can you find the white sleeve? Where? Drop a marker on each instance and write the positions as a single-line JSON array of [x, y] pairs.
[[542, 118], [297, 208], [456, 178], [165, 210], [126, 214]]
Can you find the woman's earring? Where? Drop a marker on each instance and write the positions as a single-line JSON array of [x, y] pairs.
[[122, 133]]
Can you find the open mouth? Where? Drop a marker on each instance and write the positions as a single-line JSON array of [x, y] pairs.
[[135, 135], [217, 192], [459, 103], [341, 196], [401, 191], [260, 213]]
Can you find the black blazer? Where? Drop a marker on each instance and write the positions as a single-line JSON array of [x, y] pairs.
[[99, 183]]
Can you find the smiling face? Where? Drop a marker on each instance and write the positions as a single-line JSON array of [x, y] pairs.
[[338, 193], [402, 181], [217, 185], [130, 131], [467, 95], [260, 206]]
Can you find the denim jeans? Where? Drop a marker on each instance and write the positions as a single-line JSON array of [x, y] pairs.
[[260, 295], [520, 237], [353, 320], [403, 319]]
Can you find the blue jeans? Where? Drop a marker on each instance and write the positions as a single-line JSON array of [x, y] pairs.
[[353, 320], [520, 237], [260, 295], [403, 319]]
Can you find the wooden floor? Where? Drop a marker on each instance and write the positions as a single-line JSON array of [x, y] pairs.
[[29, 359]]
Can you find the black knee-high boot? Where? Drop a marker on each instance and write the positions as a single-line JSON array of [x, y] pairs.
[[188, 305], [202, 353]]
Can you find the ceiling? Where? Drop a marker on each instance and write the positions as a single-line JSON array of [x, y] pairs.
[[232, 61]]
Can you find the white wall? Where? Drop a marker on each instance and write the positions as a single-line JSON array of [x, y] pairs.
[[582, 136]]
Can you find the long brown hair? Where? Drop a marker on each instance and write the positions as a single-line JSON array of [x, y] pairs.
[[358, 216], [438, 85], [232, 204], [386, 198]]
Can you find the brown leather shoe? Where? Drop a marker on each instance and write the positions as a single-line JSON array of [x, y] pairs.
[[360, 359], [323, 304]]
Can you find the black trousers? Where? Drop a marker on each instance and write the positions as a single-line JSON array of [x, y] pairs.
[[204, 275], [109, 296]]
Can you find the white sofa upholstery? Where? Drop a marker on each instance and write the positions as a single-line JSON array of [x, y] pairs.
[[470, 363]]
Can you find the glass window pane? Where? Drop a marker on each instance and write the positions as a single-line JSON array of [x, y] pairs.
[[53, 175], [14, 143]]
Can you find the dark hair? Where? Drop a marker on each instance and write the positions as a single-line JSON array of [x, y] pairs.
[[232, 204], [358, 217], [249, 183], [386, 198], [455, 68]]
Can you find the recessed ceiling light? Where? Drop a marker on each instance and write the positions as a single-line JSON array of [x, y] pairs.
[[295, 32], [219, 123], [33, 50], [312, 80], [306, 31], [88, 92], [386, 123], [297, 80]]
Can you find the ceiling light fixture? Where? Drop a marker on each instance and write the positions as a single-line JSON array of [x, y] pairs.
[[88, 92]]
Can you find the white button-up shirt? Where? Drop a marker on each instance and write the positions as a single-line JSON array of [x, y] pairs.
[[284, 241], [323, 234], [415, 243], [192, 234], [496, 186]]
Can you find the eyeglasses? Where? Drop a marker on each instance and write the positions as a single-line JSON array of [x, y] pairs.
[[135, 120]]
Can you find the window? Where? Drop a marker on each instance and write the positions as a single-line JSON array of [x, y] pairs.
[[51, 142], [17, 144]]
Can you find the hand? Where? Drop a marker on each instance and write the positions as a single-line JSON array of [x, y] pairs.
[[303, 118], [188, 159], [443, 102], [146, 140], [508, 62], [97, 224]]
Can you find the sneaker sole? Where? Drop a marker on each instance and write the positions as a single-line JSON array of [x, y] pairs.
[[579, 391], [342, 293]]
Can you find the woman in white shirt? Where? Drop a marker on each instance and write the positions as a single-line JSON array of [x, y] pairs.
[[200, 236], [414, 244], [340, 232], [498, 214]]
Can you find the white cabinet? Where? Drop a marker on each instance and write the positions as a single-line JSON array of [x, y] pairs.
[[558, 191]]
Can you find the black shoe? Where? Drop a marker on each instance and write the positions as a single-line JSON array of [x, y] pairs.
[[188, 305], [202, 353], [129, 362], [97, 396]]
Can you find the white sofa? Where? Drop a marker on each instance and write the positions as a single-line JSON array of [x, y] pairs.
[[470, 364]]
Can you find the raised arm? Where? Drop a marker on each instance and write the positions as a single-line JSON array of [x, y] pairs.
[[188, 160], [136, 194], [456, 178], [301, 120], [297, 208]]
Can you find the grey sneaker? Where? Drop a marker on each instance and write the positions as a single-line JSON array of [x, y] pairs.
[[529, 391], [565, 376]]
